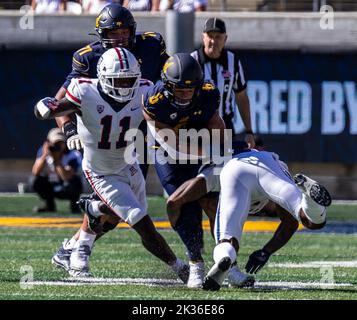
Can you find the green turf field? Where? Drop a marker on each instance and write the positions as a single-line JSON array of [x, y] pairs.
[[119, 256]]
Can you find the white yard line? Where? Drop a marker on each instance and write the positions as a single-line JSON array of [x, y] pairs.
[[170, 282], [316, 264]]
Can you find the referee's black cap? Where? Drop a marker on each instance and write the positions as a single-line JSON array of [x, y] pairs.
[[214, 24]]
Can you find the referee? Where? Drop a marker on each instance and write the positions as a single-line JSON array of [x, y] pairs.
[[225, 70]]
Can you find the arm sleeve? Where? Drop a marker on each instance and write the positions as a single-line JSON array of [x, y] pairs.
[[80, 68], [240, 82]]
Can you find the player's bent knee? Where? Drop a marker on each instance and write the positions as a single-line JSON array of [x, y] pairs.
[[107, 226], [173, 204]]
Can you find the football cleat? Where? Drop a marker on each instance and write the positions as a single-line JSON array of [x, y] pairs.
[[197, 274], [94, 222], [217, 274], [79, 260], [238, 279], [182, 270], [62, 257], [313, 189], [79, 274]]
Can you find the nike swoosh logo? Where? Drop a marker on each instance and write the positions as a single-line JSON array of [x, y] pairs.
[[133, 109]]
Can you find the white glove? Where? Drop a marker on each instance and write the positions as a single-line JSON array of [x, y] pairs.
[[74, 142]]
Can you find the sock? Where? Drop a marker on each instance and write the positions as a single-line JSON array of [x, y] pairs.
[[70, 244], [93, 209], [86, 238], [224, 249]]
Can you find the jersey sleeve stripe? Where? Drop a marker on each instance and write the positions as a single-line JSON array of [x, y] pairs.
[[79, 63], [72, 98]]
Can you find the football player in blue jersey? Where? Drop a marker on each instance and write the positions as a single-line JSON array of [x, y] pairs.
[[115, 26], [183, 101]]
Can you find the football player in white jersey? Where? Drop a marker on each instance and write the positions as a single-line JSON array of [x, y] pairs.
[[247, 182], [208, 181], [106, 109]]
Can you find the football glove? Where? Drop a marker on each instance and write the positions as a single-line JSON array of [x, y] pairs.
[[73, 141], [257, 260], [43, 108]]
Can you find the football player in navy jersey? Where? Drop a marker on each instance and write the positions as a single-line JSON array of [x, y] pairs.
[[115, 26], [183, 101]]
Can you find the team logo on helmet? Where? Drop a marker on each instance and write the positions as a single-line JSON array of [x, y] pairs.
[[97, 21], [168, 63]]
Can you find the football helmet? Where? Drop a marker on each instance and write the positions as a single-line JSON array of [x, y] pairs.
[[119, 74], [114, 17], [182, 71]]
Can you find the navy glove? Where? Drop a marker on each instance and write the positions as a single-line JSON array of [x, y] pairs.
[[257, 260], [73, 141]]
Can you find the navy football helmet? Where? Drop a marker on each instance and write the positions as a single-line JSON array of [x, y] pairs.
[[114, 17], [182, 71]]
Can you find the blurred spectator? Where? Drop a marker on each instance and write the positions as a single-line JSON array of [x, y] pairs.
[[56, 173], [49, 6], [94, 6], [74, 6], [180, 5], [138, 5]]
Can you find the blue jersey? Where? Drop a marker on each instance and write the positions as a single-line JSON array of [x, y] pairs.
[[159, 108], [149, 49]]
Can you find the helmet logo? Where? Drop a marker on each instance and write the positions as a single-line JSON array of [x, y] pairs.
[[119, 23], [97, 21], [167, 65], [188, 82], [173, 116]]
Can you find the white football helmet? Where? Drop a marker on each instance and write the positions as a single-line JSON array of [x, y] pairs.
[[119, 74]]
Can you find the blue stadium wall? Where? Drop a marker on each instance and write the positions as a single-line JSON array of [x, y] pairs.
[[304, 104]]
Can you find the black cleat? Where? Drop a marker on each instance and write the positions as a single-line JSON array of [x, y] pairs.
[[94, 222]]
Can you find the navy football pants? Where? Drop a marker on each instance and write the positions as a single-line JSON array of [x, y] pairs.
[[189, 225]]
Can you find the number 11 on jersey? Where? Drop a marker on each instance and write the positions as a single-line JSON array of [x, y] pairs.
[[106, 122]]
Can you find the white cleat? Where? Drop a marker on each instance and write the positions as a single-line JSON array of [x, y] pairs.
[[197, 274], [238, 279], [313, 189], [79, 274], [217, 274], [62, 257], [79, 261]]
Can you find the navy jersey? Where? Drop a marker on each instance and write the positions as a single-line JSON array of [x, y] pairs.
[[159, 108], [149, 49]]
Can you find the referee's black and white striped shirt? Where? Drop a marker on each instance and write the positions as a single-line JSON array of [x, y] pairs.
[[227, 74]]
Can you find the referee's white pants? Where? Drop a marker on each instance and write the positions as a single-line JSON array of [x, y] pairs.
[[124, 193], [252, 176]]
